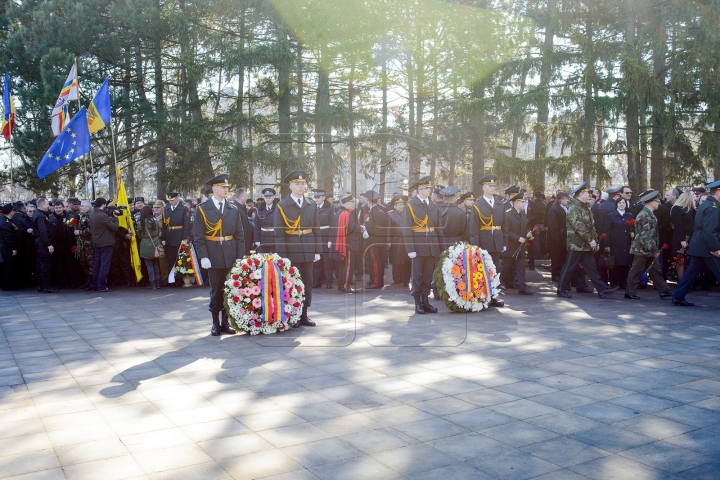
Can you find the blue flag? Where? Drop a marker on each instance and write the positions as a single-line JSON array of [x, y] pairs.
[[72, 142], [99, 110]]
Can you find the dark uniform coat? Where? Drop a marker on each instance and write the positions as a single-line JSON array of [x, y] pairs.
[[10, 236], [514, 227], [353, 238], [557, 227], [453, 225], [490, 240], [221, 254], [265, 228], [706, 238], [683, 227], [618, 237], [297, 248], [43, 229], [180, 217], [398, 255], [425, 244], [378, 226], [325, 217]]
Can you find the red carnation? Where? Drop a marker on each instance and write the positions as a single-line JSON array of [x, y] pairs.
[[236, 284], [257, 262], [236, 299], [665, 246], [245, 280], [245, 268], [251, 308], [74, 249], [298, 288], [602, 235], [292, 271], [296, 304], [235, 276]]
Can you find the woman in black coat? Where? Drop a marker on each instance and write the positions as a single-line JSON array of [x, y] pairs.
[[682, 215], [617, 243]]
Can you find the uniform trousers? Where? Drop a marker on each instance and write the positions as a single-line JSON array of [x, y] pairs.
[[323, 268], [44, 264], [306, 274], [171, 254], [652, 265], [101, 266], [571, 264], [10, 274], [217, 278], [515, 266], [401, 272], [695, 268], [422, 273], [557, 260], [347, 269], [376, 258]]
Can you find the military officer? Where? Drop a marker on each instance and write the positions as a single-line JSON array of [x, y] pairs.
[[219, 242], [704, 247], [323, 270], [421, 219], [296, 235], [376, 234], [401, 264], [453, 221], [176, 228], [265, 222], [510, 192], [516, 232], [346, 242], [44, 239], [645, 248], [581, 244], [467, 200], [10, 243], [486, 222]]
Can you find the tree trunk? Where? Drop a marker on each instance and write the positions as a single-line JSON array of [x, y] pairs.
[[543, 105], [287, 164], [160, 152], [632, 106], [657, 141], [325, 171], [351, 130], [589, 106], [413, 154], [643, 154], [301, 109], [127, 117], [241, 84], [478, 139], [383, 134], [716, 162], [419, 111]]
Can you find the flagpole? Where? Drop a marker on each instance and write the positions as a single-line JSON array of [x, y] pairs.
[[92, 170], [12, 198], [112, 134]]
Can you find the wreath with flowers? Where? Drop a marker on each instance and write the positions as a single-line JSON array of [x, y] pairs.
[[466, 278], [263, 294]]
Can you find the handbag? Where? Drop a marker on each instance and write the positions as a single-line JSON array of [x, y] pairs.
[[159, 249], [609, 260]]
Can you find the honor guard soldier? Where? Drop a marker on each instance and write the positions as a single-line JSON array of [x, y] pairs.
[[296, 237], [376, 233], [516, 231], [265, 223], [421, 218], [219, 242], [486, 222], [453, 222], [645, 248], [510, 192], [346, 243], [582, 242], [323, 270], [704, 249], [176, 228], [401, 264], [467, 200]]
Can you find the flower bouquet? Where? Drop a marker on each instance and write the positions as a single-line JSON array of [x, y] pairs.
[[528, 238], [466, 278], [187, 266], [264, 294]]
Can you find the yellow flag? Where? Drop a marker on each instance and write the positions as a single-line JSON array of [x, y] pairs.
[[125, 221]]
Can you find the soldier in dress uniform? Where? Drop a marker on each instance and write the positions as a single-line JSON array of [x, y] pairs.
[[582, 242], [421, 219], [219, 242], [401, 264], [265, 222], [486, 222], [176, 228], [467, 200], [453, 221], [324, 269], [376, 233], [297, 235], [11, 242], [646, 249], [516, 231], [345, 243], [510, 192]]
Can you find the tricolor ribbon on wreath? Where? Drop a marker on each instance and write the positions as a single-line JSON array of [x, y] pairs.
[[271, 291], [195, 264]]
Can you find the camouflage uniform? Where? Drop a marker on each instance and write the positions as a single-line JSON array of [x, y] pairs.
[[644, 247], [580, 232], [85, 251]]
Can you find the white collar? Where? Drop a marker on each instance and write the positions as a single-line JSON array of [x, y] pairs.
[[621, 213], [298, 199], [489, 200]]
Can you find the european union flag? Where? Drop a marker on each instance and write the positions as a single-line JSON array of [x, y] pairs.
[[73, 142]]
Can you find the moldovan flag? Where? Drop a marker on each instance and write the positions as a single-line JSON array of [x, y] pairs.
[[126, 222], [68, 93], [99, 111], [59, 121], [8, 119]]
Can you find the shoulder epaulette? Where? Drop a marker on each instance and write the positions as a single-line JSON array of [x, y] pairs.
[[508, 210]]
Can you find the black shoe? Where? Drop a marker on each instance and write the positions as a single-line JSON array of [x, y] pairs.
[[526, 292], [642, 287], [297, 325], [583, 290], [307, 322], [564, 294], [496, 303], [225, 325], [215, 330], [372, 286], [632, 297], [51, 290], [682, 303], [419, 308], [426, 305], [531, 268], [666, 294], [607, 292], [347, 290]]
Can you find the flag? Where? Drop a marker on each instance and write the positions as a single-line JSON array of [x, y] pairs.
[[8, 120], [69, 91], [99, 111], [72, 142], [126, 222], [59, 121]]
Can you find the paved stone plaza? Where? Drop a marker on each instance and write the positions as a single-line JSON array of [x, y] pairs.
[[131, 385]]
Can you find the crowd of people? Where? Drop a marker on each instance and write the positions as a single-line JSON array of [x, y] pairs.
[[54, 244]]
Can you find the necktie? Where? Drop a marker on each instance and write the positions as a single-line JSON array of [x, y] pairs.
[[299, 202], [221, 208]]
